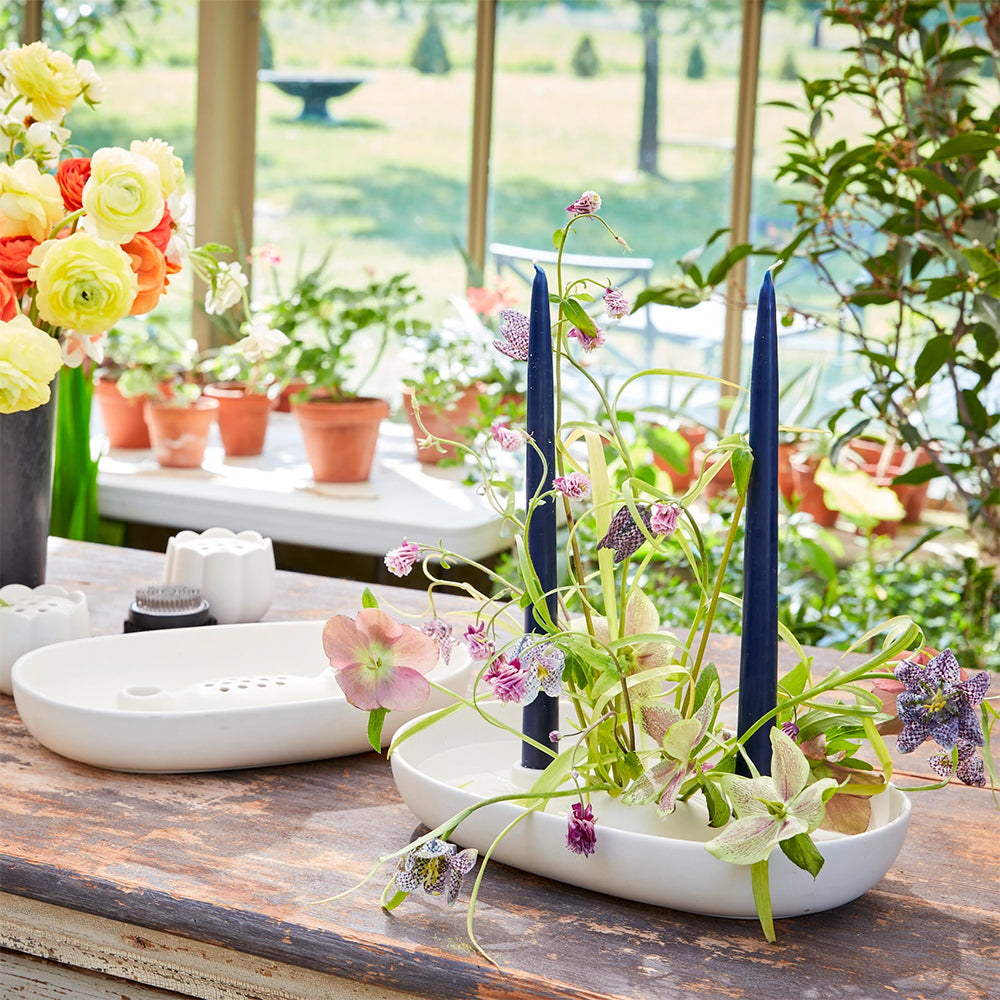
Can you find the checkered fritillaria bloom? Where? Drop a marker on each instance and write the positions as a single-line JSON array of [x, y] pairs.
[[542, 663], [514, 330], [624, 536], [587, 342], [509, 438], [576, 485], [436, 867], [581, 834], [937, 704], [480, 645], [506, 679], [401, 560], [587, 204], [443, 634], [970, 765], [663, 520], [616, 303]]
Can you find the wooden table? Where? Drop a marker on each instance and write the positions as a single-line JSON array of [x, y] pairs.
[[205, 884]]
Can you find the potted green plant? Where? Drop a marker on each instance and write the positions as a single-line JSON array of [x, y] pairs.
[[329, 326], [459, 385]]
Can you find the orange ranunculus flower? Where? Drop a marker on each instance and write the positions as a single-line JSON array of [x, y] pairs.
[[150, 267], [14, 251], [8, 299], [71, 175], [160, 234]]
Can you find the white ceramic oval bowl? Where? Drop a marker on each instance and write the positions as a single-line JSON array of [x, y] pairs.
[[68, 695], [462, 760]]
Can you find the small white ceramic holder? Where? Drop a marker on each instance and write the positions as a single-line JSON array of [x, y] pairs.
[[234, 572], [37, 616]]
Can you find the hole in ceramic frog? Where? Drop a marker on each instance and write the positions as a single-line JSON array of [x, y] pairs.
[[143, 691]]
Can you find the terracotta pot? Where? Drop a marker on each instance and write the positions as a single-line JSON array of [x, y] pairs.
[[121, 415], [786, 470], [243, 417], [179, 433], [340, 437], [680, 480], [446, 423], [913, 498], [810, 493], [284, 404]]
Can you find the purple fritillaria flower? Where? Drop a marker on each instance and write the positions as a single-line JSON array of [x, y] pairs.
[[480, 647], [970, 764], [506, 436], [937, 704], [400, 561], [587, 204], [514, 330], [576, 485], [543, 665], [581, 835], [624, 535], [616, 303], [436, 867], [443, 634], [507, 679], [663, 520], [587, 342], [790, 729]]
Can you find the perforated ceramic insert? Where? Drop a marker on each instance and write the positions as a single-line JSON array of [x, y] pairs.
[[37, 604], [246, 683]]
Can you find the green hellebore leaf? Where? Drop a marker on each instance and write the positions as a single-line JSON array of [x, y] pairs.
[[742, 462], [801, 851], [376, 719]]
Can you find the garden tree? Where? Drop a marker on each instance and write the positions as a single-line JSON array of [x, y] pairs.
[[909, 214]]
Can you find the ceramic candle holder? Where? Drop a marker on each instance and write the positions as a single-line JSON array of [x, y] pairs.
[[234, 572], [37, 616], [229, 692]]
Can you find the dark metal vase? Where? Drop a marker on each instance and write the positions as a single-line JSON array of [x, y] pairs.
[[27, 446]]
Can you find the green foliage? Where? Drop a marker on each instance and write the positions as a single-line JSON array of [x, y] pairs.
[[585, 62], [696, 68], [429, 54], [149, 358]]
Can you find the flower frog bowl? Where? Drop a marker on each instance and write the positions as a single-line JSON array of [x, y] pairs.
[[170, 701], [604, 749], [33, 617], [462, 761], [234, 572]]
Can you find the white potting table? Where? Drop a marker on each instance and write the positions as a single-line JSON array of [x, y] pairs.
[[275, 494]]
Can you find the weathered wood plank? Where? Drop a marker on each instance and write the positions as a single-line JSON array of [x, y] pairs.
[[236, 860]]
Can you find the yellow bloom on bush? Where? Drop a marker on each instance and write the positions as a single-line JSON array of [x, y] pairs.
[[83, 283], [171, 166], [123, 196], [47, 79], [29, 360], [30, 202]]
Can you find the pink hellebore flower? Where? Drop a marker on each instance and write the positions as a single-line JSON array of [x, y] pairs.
[[576, 485], [587, 342], [400, 561], [505, 435], [587, 204], [616, 303], [379, 662], [514, 329], [663, 520]]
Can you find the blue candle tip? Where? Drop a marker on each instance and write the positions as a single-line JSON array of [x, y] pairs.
[[538, 270]]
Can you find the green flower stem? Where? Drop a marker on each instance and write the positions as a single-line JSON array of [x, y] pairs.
[[621, 628], [63, 223], [706, 628], [762, 898]]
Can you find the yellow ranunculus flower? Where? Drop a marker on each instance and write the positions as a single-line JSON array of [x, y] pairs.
[[123, 196], [82, 283], [48, 79], [171, 166], [29, 360], [30, 202]]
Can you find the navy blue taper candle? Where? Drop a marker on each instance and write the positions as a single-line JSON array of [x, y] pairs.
[[759, 645], [541, 717]]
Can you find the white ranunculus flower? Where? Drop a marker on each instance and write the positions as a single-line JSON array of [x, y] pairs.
[[42, 144], [92, 84]]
